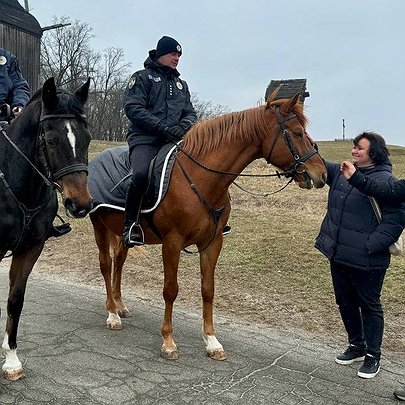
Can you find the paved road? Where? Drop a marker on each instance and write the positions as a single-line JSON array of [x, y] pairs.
[[71, 358]]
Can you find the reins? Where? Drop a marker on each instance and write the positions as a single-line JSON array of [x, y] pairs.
[[216, 213]]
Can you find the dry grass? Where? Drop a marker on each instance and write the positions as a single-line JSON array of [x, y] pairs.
[[268, 272]]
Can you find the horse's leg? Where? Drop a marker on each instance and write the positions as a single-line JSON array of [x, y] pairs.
[[102, 236], [171, 256], [20, 269], [120, 253], [208, 261]]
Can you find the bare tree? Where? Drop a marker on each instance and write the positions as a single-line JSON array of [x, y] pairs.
[[205, 109], [67, 56], [66, 53], [109, 81]]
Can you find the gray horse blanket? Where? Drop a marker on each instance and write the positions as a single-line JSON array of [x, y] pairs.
[[110, 174]]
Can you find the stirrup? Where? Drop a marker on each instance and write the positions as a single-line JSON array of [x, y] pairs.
[[133, 235]]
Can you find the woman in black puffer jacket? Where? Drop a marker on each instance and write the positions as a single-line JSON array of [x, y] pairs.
[[356, 245]]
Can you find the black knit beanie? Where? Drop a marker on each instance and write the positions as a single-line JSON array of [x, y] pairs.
[[166, 45]]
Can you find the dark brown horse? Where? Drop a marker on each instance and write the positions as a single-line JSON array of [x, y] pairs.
[[44, 150], [227, 144]]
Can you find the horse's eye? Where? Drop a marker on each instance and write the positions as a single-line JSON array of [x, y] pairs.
[[48, 126], [51, 142], [298, 134]]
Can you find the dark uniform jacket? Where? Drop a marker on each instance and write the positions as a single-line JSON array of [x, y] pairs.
[[154, 99], [350, 233], [14, 89], [392, 190]]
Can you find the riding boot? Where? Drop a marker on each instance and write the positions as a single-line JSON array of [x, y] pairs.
[[133, 233]]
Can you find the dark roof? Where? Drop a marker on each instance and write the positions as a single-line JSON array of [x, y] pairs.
[[14, 15], [289, 88]]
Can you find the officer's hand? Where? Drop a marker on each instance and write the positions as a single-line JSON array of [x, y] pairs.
[[174, 133], [177, 131]]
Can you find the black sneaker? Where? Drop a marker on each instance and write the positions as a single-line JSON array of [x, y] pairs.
[[133, 235], [370, 367], [400, 393], [350, 355]]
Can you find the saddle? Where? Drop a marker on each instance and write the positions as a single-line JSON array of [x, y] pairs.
[[110, 174]]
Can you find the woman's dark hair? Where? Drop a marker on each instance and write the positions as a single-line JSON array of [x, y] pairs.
[[378, 148]]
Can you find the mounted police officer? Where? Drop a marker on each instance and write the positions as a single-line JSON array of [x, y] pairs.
[[14, 89], [158, 106]]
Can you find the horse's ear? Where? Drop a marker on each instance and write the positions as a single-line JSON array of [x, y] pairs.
[[83, 91], [288, 107], [273, 95], [49, 97]]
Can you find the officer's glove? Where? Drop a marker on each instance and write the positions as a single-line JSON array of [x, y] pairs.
[[174, 133]]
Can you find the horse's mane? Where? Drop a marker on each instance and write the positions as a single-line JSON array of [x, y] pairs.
[[206, 135]]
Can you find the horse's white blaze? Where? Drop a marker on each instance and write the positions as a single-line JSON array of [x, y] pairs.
[[72, 137], [212, 343], [12, 362]]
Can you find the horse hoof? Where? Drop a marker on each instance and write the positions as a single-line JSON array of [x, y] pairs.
[[170, 354], [217, 355], [124, 313], [13, 374], [114, 326], [114, 322]]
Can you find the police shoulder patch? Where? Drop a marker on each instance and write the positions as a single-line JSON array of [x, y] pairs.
[[132, 81], [3, 60]]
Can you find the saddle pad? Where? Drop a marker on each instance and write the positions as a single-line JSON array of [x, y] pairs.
[[110, 174]]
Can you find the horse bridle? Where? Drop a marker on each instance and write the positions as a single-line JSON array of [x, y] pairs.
[[76, 167], [299, 160]]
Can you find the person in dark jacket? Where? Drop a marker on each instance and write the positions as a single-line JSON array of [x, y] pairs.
[[14, 89], [158, 106], [392, 191], [356, 245]]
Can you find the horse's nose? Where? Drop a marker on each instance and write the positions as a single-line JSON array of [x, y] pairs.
[[76, 209]]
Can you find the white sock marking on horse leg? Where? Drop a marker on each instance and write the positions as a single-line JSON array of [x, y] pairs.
[[212, 343], [72, 137], [114, 321], [12, 362]]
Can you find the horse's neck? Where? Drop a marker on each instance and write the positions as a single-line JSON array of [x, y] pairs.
[[212, 174]]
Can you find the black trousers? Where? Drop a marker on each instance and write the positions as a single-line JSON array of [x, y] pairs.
[[357, 294], [140, 158]]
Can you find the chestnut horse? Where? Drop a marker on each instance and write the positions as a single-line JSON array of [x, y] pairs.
[[213, 154], [44, 150]]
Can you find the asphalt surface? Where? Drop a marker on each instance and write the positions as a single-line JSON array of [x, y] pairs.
[[70, 357]]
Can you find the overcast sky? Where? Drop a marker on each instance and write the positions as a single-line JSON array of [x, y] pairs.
[[351, 52]]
